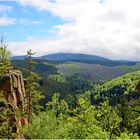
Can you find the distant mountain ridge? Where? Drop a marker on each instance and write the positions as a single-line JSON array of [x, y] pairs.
[[78, 57], [65, 57], [72, 56], [22, 57]]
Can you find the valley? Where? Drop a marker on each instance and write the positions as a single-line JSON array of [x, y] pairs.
[[69, 70], [63, 87]]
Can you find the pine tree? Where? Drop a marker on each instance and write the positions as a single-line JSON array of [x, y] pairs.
[[5, 63], [33, 92], [6, 112]]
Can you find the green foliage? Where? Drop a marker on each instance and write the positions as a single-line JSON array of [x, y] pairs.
[[129, 112], [128, 68], [7, 121], [59, 78], [93, 72], [122, 94], [109, 118], [5, 56], [55, 123], [115, 89], [69, 87], [49, 87], [75, 82], [57, 105], [42, 67], [127, 135], [85, 121], [114, 116], [107, 111], [33, 89], [33, 92]]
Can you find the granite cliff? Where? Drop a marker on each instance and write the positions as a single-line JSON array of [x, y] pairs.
[[13, 89]]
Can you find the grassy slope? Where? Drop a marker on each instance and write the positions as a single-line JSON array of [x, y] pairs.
[[89, 71], [129, 68]]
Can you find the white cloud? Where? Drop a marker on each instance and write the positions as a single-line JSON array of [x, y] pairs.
[[4, 8], [110, 28], [4, 21], [26, 21]]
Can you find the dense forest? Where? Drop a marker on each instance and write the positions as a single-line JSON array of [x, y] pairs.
[[71, 106]]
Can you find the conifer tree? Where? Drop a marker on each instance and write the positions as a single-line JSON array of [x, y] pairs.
[[6, 112], [7, 121], [5, 63], [33, 92], [109, 118]]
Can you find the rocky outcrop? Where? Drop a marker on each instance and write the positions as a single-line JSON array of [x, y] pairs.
[[13, 89]]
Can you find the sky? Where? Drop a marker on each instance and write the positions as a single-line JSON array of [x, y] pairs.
[[107, 28]]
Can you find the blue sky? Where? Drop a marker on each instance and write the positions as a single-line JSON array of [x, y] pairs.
[[28, 23], [108, 28]]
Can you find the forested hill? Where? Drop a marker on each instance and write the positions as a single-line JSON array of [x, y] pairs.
[[117, 88], [124, 93], [107, 111], [73, 56], [68, 106], [76, 57]]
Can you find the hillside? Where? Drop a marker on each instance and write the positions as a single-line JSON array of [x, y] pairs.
[[124, 93], [68, 95], [69, 69], [115, 89], [73, 56], [127, 68], [89, 71], [83, 58], [43, 68]]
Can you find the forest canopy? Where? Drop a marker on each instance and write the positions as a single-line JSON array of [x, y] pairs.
[[83, 109]]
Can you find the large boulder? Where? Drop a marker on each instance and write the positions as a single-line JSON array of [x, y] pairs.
[[13, 89]]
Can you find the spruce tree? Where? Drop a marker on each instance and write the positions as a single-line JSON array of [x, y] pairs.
[[7, 122], [5, 63], [33, 92]]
